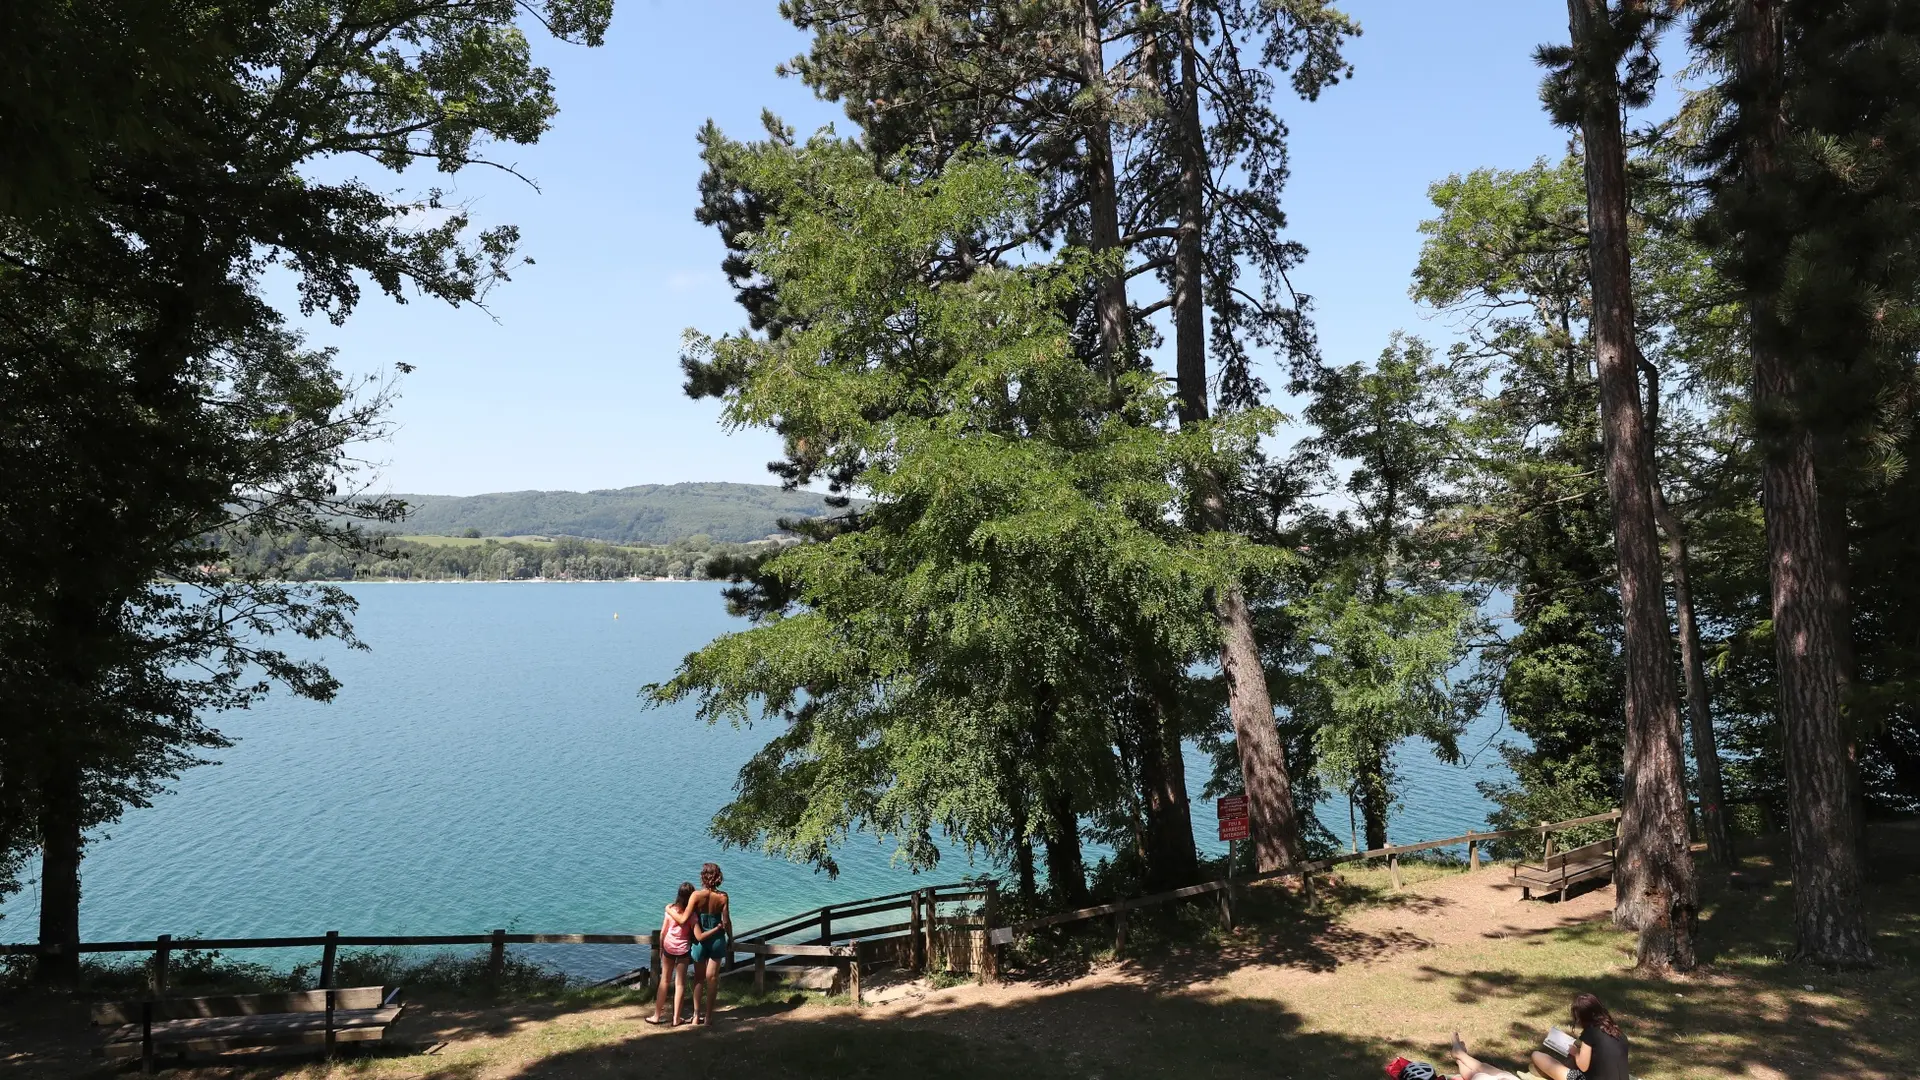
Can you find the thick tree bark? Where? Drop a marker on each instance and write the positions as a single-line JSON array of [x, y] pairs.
[[1103, 202], [1655, 889], [1272, 821], [1821, 792], [1028, 886], [61, 841], [1829, 922], [1066, 870], [1172, 859], [1375, 799], [1026, 883], [1833, 520]]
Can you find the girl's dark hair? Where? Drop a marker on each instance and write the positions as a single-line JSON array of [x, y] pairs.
[[1587, 1012], [685, 894], [710, 876]]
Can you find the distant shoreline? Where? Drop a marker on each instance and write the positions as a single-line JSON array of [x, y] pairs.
[[507, 581]]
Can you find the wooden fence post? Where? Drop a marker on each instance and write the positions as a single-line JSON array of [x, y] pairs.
[[826, 926], [497, 958], [328, 954], [759, 973], [916, 947], [1393, 865], [655, 958], [853, 974], [1119, 933], [1473, 853], [990, 968], [932, 910], [162, 956]]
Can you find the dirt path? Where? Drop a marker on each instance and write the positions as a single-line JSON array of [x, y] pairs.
[[1327, 980]]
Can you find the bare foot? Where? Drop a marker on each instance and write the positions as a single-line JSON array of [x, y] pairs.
[[1458, 1046]]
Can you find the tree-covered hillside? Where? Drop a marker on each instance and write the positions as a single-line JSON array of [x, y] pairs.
[[647, 514], [435, 558]]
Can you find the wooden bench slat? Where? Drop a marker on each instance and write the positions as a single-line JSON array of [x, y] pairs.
[[1582, 854], [1553, 881], [300, 1001], [216, 1045], [229, 1026]]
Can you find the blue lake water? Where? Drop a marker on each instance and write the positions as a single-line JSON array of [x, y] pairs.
[[489, 764]]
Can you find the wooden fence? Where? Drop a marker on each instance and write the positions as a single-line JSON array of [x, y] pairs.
[[928, 937], [946, 927]]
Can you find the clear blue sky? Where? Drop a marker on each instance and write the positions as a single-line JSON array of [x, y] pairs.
[[574, 382]]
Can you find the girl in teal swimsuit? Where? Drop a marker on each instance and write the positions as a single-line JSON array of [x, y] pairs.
[[712, 931]]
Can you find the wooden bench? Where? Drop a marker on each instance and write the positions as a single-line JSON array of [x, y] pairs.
[[1566, 868], [212, 1024]]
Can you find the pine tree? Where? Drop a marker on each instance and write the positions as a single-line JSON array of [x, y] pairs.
[[953, 668], [1815, 213], [1655, 888], [925, 80]]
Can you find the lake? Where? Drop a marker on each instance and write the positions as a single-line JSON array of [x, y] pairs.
[[489, 764]]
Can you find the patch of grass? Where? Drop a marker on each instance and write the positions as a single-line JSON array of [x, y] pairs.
[[946, 980]]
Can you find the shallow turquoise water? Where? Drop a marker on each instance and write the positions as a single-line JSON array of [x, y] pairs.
[[489, 764]]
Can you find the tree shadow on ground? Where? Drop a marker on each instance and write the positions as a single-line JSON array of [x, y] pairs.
[[1173, 946], [43, 1036], [1748, 999], [440, 1020], [1791, 1031], [1099, 1031]]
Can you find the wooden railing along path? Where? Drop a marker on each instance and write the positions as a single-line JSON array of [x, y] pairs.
[[966, 940]]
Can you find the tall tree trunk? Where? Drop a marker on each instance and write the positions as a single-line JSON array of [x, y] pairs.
[[1656, 892], [1833, 521], [1706, 752], [1272, 821], [1066, 870], [1103, 202], [1830, 925], [60, 851], [1172, 859], [1023, 861], [1375, 799]]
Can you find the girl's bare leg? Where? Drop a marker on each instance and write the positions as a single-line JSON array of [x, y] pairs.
[[1547, 1065], [660, 988], [713, 989], [1470, 1067], [679, 988]]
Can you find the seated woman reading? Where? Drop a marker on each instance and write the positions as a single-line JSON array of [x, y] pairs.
[[1600, 1052]]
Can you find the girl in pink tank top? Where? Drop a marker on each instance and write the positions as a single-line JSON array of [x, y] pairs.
[[675, 945]]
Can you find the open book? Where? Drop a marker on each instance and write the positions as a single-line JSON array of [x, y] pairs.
[[1559, 1042]]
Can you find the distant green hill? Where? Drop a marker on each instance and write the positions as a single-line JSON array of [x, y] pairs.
[[648, 514]]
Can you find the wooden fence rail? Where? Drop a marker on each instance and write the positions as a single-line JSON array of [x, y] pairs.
[[966, 940]]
